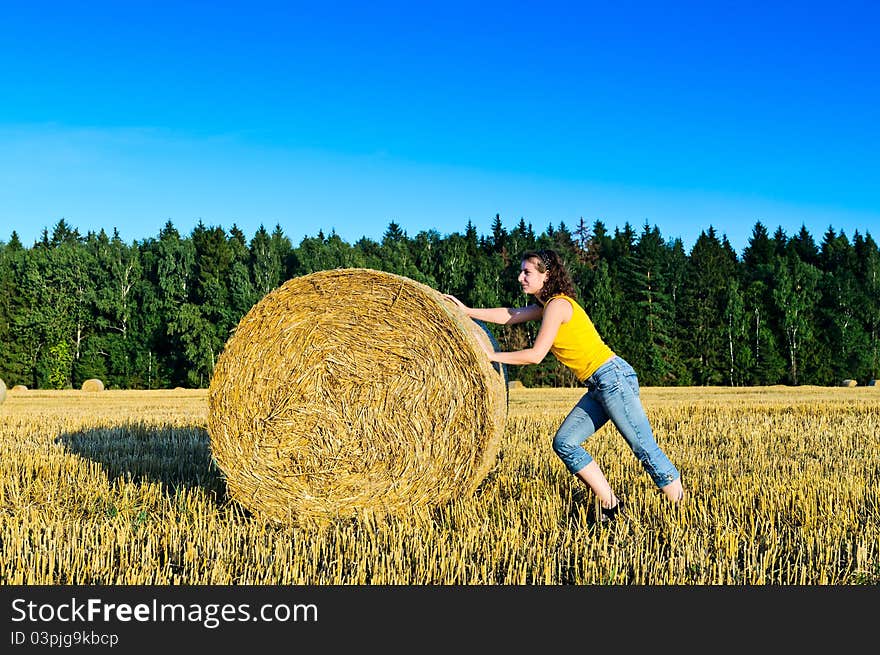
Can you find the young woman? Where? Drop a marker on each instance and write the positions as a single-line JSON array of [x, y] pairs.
[[612, 386]]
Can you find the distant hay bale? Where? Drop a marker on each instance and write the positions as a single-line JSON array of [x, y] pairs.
[[515, 384], [354, 392], [2, 390], [19, 387], [93, 384], [849, 383]]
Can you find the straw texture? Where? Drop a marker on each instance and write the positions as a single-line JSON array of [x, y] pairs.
[[350, 392]]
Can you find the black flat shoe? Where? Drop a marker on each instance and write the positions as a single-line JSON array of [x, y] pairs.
[[610, 513]]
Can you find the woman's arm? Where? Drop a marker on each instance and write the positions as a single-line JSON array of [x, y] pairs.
[[556, 313], [500, 315]]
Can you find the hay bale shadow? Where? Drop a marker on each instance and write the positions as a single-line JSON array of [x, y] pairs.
[[173, 456]]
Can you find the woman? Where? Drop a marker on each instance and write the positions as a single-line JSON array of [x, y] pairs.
[[612, 385]]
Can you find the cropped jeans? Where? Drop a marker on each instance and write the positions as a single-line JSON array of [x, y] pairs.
[[612, 394]]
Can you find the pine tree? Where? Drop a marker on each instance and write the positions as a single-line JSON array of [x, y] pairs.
[[841, 338], [705, 299], [758, 261], [267, 267], [867, 303], [113, 353], [795, 294], [175, 280], [241, 290], [654, 305]]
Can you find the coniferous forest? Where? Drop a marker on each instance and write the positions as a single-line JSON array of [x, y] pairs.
[[156, 313]]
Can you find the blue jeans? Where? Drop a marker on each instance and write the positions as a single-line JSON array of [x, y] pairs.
[[612, 393]]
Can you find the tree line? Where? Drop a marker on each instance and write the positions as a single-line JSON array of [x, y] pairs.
[[156, 313]]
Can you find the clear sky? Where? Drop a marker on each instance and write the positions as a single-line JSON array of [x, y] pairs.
[[346, 116]]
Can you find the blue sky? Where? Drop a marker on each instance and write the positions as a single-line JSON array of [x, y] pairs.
[[346, 116]]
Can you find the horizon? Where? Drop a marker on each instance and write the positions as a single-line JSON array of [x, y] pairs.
[[611, 230]]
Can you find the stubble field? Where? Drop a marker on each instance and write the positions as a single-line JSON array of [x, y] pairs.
[[119, 487]]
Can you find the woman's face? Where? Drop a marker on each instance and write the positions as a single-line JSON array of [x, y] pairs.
[[529, 278]]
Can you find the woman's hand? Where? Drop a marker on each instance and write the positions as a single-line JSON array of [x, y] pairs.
[[488, 349], [455, 301]]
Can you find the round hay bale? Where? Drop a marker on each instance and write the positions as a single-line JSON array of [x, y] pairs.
[[515, 384], [19, 387], [353, 393], [93, 384], [2, 390], [849, 383]]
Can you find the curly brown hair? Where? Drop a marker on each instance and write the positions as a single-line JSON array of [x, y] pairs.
[[559, 281]]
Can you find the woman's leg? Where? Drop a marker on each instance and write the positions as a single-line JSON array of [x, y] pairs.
[[582, 421], [592, 476], [617, 389]]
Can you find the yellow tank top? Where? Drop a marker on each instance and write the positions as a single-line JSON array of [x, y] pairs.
[[578, 344]]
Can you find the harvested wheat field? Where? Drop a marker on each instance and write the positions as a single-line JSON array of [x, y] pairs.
[[782, 484]]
